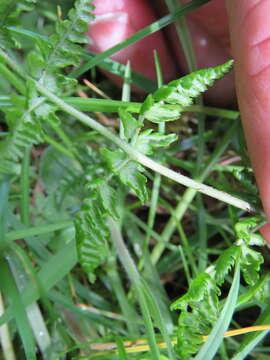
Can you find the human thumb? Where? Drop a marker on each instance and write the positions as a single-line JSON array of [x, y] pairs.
[[250, 39]]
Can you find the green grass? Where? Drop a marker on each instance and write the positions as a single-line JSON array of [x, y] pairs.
[[123, 235]]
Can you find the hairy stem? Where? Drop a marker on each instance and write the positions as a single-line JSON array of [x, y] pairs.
[[133, 153], [144, 160]]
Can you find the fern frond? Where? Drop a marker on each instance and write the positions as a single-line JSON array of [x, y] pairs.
[[199, 309], [184, 90], [128, 171], [24, 131], [201, 285], [251, 261], [91, 235], [64, 48], [181, 92], [225, 263]]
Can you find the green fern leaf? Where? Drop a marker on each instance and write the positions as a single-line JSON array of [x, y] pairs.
[[148, 141], [24, 130], [225, 263], [128, 171], [199, 310], [246, 178], [64, 46], [91, 235], [157, 112], [9, 167], [181, 92], [11, 9], [9, 15], [243, 230], [108, 198], [61, 49], [200, 305], [203, 284], [129, 123], [251, 261]]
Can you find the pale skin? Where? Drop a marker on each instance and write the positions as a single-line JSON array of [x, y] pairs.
[[220, 30]]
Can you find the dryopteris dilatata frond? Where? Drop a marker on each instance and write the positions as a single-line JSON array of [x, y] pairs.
[[131, 152]]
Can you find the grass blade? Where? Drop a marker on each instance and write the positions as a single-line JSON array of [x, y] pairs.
[[134, 276], [9, 288], [253, 339], [209, 349], [54, 270]]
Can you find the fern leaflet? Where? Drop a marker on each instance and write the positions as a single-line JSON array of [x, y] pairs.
[[181, 92], [24, 129], [200, 306], [63, 48], [9, 14]]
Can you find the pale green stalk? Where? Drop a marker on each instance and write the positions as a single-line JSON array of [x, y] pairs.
[[188, 196], [144, 160], [133, 153]]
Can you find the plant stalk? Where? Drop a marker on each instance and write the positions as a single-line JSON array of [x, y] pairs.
[[134, 154], [144, 160]]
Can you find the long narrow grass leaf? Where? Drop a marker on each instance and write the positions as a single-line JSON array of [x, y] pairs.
[[9, 287], [253, 339], [209, 349]]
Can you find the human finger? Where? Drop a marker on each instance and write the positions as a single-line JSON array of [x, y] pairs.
[[250, 39]]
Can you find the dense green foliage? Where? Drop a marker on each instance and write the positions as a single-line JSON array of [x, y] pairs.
[[82, 198]]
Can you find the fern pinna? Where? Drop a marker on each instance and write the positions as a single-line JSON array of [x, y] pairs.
[[201, 306], [42, 64]]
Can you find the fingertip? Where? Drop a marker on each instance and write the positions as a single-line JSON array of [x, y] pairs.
[[265, 231]]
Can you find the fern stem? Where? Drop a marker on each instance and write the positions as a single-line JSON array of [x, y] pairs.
[[197, 186], [7, 59], [189, 195], [144, 160]]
